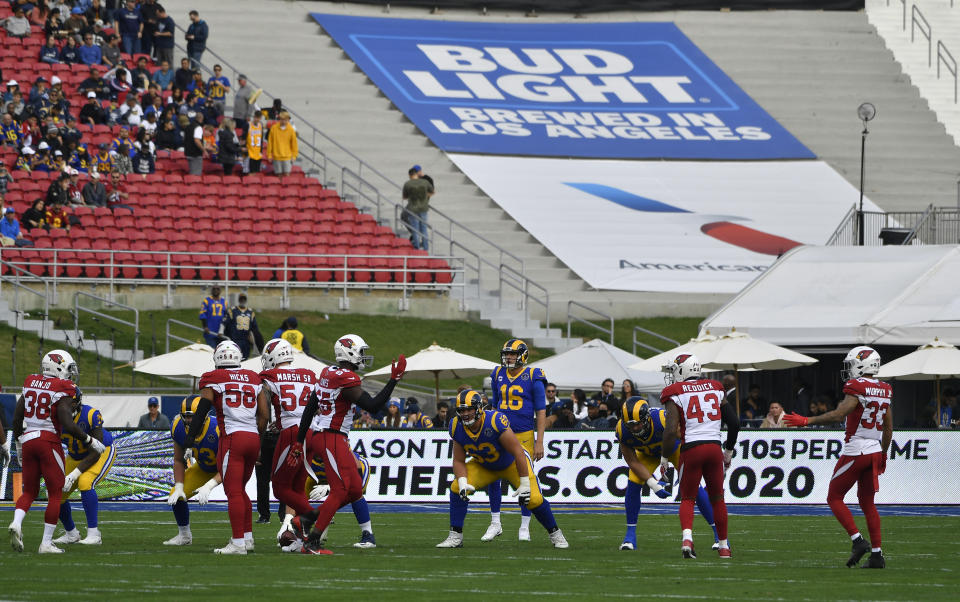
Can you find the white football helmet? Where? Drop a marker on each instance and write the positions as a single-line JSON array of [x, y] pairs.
[[683, 367], [351, 348], [859, 361], [227, 355], [59, 364], [276, 352]]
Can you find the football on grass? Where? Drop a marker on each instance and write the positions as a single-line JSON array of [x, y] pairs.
[[286, 538]]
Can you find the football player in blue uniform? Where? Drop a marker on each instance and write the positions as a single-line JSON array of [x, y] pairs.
[[201, 476], [519, 394], [85, 468], [495, 453], [640, 433]]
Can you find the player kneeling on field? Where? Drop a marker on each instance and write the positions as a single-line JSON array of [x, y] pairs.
[[201, 476], [495, 453]]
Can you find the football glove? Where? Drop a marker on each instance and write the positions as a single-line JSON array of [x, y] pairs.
[[71, 479], [176, 494], [663, 493], [664, 466], [793, 419], [4, 456], [465, 488], [523, 492], [188, 456], [95, 444], [727, 459], [398, 367], [294, 458], [319, 492], [203, 494], [657, 488]]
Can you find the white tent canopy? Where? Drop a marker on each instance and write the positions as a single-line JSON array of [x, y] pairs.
[[892, 295], [300, 360], [586, 366], [193, 360], [441, 362]]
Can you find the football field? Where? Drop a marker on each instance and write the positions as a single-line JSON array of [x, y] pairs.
[[775, 558]]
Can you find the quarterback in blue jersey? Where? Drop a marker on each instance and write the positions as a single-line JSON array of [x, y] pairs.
[[85, 468], [640, 433], [212, 312], [519, 394], [495, 453], [201, 476]]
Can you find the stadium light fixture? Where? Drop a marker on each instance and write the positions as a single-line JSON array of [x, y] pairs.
[[866, 111]]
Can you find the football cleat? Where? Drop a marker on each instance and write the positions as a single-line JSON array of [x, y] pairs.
[[493, 531], [686, 549], [49, 548], [294, 546], [558, 540], [16, 538], [524, 534], [68, 537], [876, 561], [248, 545], [367, 540], [629, 542], [725, 553], [860, 547], [453, 540], [91, 540], [263, 520], [715, 546], [179, 540], [230, 548], [301, 526], [316, 548]]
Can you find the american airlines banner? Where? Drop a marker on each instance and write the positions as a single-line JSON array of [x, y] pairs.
[[770, 467], [617, 90], [667, 226]]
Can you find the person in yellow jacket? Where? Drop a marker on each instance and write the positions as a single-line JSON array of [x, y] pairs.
[[254, 142], [282, 145]]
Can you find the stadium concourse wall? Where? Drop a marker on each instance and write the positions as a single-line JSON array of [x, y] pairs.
[[585, 6], [770, 467]]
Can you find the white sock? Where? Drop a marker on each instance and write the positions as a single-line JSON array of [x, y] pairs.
[[524, 522], [874, 550], [248, 536], [688, 534], [494, 518], [366, 527], [185, 531], [75, 531], [237, 542], [724, 544], [93, 531], [18, 515], [48, 532], [855, 536]]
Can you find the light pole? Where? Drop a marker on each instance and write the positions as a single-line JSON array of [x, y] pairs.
[[865, 112]]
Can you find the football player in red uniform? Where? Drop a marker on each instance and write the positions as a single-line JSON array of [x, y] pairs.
[[241, 404], [328, 417], [696, 406], [44, 411], [866, 406]]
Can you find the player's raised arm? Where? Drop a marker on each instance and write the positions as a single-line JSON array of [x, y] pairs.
[[357, 396]]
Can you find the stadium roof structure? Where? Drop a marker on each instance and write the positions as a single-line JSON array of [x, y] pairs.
[[890, 295]]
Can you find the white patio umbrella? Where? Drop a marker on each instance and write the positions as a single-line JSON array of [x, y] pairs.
[[300, 360], [657, 362], [441, 361], [931, 361], [193, 360], [587, 365]]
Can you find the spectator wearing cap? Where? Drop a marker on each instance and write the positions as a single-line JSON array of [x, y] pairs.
[[153, 419], [196, 36], [416, 419], [393, 419], [75, 22], [12, 86], [17, 25], [243, 100], [94, 192], [241, 326], [10, 234], [562, 417], [90, 53], [163, 38], [131, 113], [74, 191], [416, 192], [26, 159], [42, 162], [282, 147], [49, 52], [102, 162], [39, 92], [598, 417], [122, 161], [130, 25]]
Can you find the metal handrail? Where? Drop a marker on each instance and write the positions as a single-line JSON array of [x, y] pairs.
[[920, 224], [177, 337], [849, 215], [572, 318], [524, 288], [942, 55], [651, 333], [918, 21], [100, 315], [18, 286]]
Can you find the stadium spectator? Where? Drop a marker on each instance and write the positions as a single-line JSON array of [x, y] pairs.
[[241, 326], [54, 27], [275, 109], [293, 336], [729, 382], [9, 130], [70, 52], [102, 161], [90, 54], [122, 162], [10, 234], [94, 192], [74, 192], [149, 123], [17, 109], [184, 75], [598, 417], [163, 39], [149, 11], [75, 22], [130, 26], [100, 34], [393, 419], [163, 77], [57, 216], [117, 195], [364, 420], [5, 178], [228, 146], [39, 92], [217, 88], [423, 176], [110, 53], [36, 216], [94, 83], [754, 406], [140, 75], [213, 310], [50, 52], [607, 396], [254, 143], [550, 396], [25, 159], [169, 136], [415, 418], [193, 147], [282, 147], [153, 419], [579, 399], [563, 417], [416, 193], [627, 390], [243, 100], [948, 408], [441, 419], [12, 86], [196, 36], [96, 11], [17, 25], [131, 113], [57, 194], [774, 417]]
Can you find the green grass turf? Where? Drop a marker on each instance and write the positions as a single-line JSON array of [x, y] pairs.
[[775, 558]]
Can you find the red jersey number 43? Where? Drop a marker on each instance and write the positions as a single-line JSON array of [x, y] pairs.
[[712, 403]]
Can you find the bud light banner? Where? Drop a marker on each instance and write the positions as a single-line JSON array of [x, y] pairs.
[[616, 90]]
